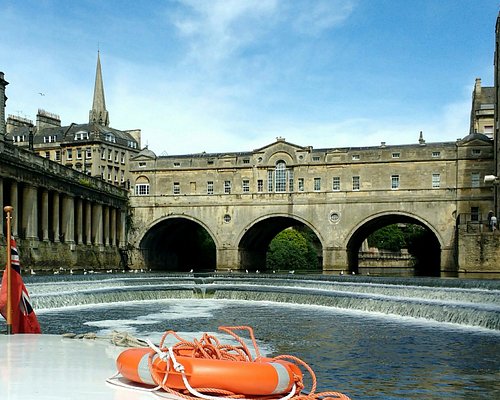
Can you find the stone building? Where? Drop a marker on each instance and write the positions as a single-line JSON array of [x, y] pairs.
[[93, 148], [243, 199], [482, 110]]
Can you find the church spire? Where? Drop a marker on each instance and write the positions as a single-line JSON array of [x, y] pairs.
[[99, 114]]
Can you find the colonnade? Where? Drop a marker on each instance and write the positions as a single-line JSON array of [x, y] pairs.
[[47, 215]]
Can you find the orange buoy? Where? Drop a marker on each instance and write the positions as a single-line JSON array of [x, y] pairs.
[[262, 377]]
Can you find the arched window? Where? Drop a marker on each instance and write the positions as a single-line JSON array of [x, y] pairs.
[[142, 186], [280, 176]]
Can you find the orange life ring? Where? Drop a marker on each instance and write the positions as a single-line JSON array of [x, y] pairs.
[[262, 377]]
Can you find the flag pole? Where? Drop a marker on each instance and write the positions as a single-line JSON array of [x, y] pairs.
[[8, 267]]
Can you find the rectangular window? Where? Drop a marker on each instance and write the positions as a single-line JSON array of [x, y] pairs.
[[476, 152], [116, 156], [103, 154], [394, 182], [142, 189], [177, 164], [246, 185], [356, 183], [336, 183], [177, 188], [436, 181], [300, 183], [290, 180], [142, 164], [260, 185], [475, 179], [270, 181], [317, 184], [396, 155], [474, 213], [58, 155], [47, 154], [110, 155], [88, 153], [227, 187], [69, 154], [210, 187], [355, 157], [123, 158], [246, 161], [316, 158], [436, 154], [78, 153]]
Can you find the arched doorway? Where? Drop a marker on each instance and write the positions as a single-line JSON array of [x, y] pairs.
[[178, 244]]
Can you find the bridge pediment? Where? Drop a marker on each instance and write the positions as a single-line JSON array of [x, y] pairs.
[[281, 150]]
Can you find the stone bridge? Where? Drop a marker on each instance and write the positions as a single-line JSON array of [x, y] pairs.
[[242, 200]]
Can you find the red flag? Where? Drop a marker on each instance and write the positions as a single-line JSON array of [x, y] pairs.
[[23, 316]]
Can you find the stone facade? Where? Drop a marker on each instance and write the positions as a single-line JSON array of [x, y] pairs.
[[342, 194], [93, 148], [61, 218]]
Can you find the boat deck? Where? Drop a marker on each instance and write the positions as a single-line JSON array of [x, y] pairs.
[[50, 367]]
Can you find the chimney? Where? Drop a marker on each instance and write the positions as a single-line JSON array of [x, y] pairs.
[[477, 87], [45, 119]]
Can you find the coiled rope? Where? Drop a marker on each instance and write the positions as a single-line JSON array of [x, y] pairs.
[[210, 347]]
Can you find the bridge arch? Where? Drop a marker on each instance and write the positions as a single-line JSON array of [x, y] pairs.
[[178, 243], [255, 238], [428, 260]]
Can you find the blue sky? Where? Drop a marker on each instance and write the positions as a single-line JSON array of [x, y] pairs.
[[232, 75]]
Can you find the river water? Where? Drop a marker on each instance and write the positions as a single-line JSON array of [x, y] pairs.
[[368, 338]]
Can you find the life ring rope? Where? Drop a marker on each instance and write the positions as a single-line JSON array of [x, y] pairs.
[[210, 347]]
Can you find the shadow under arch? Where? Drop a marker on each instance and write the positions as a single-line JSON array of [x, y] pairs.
[[254, 242], [426, 252], [179, 244]]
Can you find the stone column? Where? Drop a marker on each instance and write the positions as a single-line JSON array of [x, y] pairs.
[[68, 219], [88, 222], [448, 259], [335, 260], [30, 212], [15, 204], [227, 258], [122, 240], [97, 228], [79, 221], [45, 215], [106, 225], [55, 217], [112, 234]]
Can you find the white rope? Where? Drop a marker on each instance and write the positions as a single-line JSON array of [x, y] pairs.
[[123, 339], [115, 381]]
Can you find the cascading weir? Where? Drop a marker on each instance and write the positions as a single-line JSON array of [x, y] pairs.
[[469, 303]]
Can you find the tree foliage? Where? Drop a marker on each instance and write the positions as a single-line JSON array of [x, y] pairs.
[[291, 250], [397, 236]]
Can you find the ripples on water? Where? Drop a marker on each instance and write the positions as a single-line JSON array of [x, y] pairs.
[[365, 355]]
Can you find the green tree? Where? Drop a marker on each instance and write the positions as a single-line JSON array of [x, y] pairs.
[[290, 250], [389, 237]]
